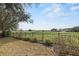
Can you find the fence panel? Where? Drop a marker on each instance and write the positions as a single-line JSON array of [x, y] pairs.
[[67, 38]]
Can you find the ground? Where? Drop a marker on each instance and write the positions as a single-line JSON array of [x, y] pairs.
[[14, 47]]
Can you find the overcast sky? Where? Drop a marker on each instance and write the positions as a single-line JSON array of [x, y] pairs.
[[48, 16]]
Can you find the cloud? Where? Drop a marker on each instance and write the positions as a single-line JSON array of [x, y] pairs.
[[73, 8], [55, 9], [69, 15], [61, 10]]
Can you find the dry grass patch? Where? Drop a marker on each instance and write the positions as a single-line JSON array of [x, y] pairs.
[[23, 48]]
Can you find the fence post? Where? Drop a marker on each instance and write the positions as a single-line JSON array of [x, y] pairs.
[[13, 34], [25, 35], [42, 34], [16, 34], [19, 34], [32, 34], [58, 37]]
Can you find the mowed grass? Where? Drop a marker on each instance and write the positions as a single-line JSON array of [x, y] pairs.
[[13, 47]]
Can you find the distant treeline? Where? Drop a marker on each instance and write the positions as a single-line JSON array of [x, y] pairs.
[[73, 29]]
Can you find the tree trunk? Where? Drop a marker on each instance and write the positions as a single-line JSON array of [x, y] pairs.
[[3, 34]]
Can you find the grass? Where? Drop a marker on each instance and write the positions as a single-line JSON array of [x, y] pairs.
[[68, 42], [67, 38]]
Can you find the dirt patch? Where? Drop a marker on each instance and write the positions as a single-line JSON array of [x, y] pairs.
[[24, 48]]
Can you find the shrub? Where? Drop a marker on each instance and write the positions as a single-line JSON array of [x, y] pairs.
[[6, 33], [30, 30], [40, 41], [48, 43], [26, 39], [17, 37], [34, 40]]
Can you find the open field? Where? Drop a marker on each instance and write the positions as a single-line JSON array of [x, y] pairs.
[[67, 38], [14, 47], [40, 43], [39, 29], [64, 43]]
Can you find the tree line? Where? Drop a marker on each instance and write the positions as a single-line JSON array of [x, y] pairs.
[[73, 29]]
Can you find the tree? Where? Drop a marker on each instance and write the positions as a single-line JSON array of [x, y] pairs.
[[11, 14], [75, 29], [54, 30], [30, 30]]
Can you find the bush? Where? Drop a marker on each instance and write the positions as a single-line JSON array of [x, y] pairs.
[[5, 33], [40, 41], [8, 33], [69, 50], [17, 37], [30, 30], [34, 40], [26, 39], [48, 43]]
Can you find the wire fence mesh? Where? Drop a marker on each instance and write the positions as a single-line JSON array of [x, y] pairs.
[[69, 41], [67, 38]]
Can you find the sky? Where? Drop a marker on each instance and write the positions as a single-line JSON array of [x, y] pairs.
[[52, 15]]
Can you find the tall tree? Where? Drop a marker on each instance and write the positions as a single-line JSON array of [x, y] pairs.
[[11, 14]]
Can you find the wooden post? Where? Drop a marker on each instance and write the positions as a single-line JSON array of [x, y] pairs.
[[25, 34], [58, 37], [32, 34], [42, 34]]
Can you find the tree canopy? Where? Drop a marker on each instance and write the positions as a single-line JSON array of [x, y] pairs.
[[11, 14]]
